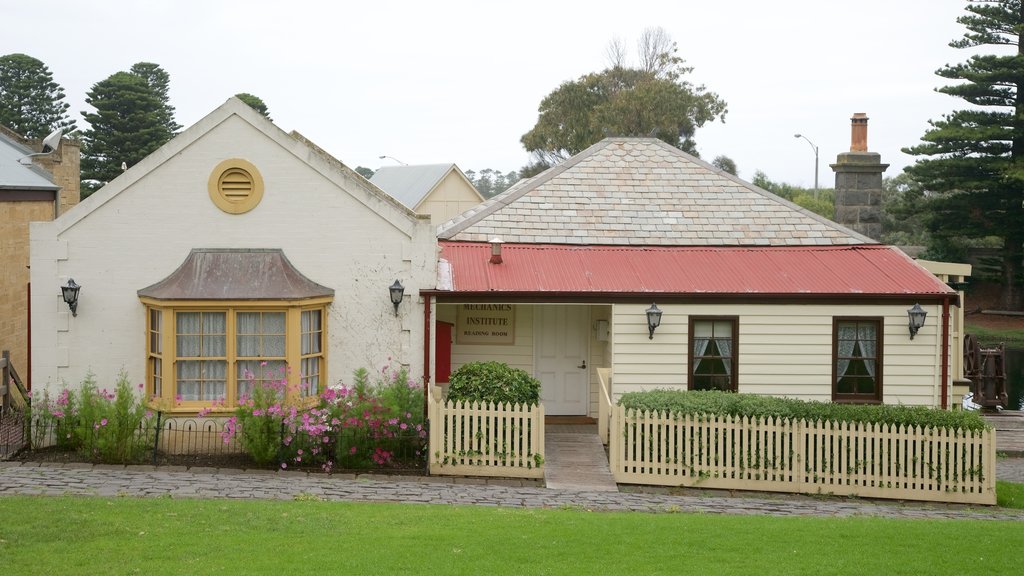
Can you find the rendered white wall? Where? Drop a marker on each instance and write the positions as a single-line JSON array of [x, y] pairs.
[[334, 231]]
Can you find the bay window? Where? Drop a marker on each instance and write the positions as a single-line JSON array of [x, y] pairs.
[[203, 355]]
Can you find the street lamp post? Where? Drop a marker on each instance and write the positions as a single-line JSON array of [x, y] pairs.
[[393, 158], [815, 148]]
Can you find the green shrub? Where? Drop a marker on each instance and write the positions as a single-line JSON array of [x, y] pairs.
[[495, 382], [101, 425], [683, 403]]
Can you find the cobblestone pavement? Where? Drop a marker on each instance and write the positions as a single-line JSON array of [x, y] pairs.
[[147, 481]]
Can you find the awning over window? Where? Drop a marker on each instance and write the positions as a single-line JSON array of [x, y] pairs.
[[236, 274]]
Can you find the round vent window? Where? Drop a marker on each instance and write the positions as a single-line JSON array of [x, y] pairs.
[[236, 186]]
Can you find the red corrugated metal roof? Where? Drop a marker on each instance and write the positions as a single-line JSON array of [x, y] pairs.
[[860, 270]]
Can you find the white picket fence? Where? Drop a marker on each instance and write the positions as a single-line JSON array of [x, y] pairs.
[[477, 439], [850, 459]]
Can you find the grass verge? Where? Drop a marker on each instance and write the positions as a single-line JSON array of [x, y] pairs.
[[1013, 337], [1009, 494], [161, 536]]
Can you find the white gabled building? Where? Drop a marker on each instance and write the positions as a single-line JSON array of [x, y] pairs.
[[233, 244]]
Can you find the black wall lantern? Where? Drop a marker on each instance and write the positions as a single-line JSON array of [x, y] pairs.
[[917, 316], [397, 292], [653, 319], [70, 293]]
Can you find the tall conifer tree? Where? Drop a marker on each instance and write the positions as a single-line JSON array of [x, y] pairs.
[[31, 103], [129, 123], [975, 156]]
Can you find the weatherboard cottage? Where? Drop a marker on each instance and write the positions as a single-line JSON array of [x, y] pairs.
[[634, 266]]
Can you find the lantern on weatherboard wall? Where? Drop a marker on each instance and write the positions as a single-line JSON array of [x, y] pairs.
[[917, 316], [653, 319]]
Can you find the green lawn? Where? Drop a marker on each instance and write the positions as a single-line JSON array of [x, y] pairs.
[[992, 337], [1009, 494], [72, 535]]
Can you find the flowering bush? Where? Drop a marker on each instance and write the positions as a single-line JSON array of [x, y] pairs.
[[259, 416], [375, 422], [109, 426]]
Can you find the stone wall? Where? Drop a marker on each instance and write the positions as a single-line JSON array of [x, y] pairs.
[[859, 192]]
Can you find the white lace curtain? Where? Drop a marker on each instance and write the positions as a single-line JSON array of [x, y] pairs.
[[724, 345], [856, 337], [201, 335]]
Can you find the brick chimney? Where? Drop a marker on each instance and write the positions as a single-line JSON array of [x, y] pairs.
[[859, 183]]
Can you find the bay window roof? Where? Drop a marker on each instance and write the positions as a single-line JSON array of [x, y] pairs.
[[236, 274]]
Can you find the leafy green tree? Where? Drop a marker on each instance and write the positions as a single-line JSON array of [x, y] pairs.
[[365, 172], [256, 103], [653, 99], [31, 103], [128, 124], [974, 158], [160, 82], [822, 204], [490, 182], [724, 163]]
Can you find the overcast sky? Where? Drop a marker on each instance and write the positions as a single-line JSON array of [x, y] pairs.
[[430, 82]]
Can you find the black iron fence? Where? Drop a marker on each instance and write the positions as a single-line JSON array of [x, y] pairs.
[[13, 432], [211, 442]]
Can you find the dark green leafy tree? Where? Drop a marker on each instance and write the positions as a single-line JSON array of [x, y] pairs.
[[974, 158], [255, 102], [365, 172], [903, 201], [652, 99], [128, 123], [724, 163], [160, 82], [31, 103]]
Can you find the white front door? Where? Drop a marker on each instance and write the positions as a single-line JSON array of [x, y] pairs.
[[560, 351]]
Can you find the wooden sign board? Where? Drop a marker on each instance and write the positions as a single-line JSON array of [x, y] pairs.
[[485, 324]]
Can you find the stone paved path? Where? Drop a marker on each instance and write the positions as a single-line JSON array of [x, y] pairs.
[[147, 481]]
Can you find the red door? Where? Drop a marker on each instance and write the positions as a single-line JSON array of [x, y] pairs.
[[443, 352]]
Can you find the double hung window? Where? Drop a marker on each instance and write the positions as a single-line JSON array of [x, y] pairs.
[[713, 343], [857, 360]]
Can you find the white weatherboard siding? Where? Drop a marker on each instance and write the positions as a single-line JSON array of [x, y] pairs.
[[784, 350], [521, 353], [140, 228], [452, 196], [517, 355]]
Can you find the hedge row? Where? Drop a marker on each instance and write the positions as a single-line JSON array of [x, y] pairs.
[[687, 403]]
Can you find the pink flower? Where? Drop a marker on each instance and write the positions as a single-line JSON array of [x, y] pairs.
[[103, 422], [352, 450], [284, 464]]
